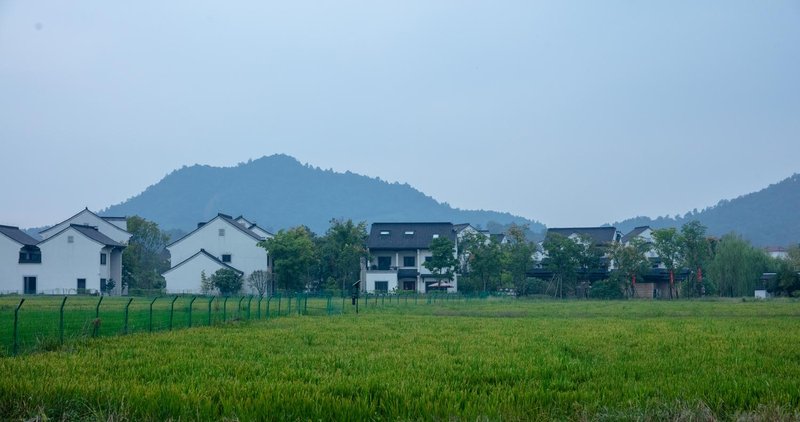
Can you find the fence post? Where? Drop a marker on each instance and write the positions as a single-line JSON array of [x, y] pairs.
[[269, 299], [126, 315], [225, 309], [151, 313], [16, 319], [258, 314], [61, 321], [172, 311], [209, 310], [97, 317], [279, 304], [328, 305], [416, 297], [248, 306], [305, 304], [289, 306], [239, 308], [191, 302]]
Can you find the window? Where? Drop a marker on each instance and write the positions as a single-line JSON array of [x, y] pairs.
[[384, 263], [30, 255], [409, 285], [70, 239], [385, 232], [436, 236], [81, 285], [222, 232], [226, 258], [103, 286], [29, 285], [382, 286], [409, 261], [428, 258], [103, 258], [409, 232]]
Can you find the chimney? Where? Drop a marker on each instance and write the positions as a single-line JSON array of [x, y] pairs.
[[200, 225]]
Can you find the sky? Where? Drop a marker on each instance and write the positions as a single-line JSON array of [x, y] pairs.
[[573, 113]]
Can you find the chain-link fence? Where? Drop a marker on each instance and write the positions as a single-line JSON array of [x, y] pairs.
[[42, 322]]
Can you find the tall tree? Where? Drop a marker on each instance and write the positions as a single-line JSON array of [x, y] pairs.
[[667, 245], [696, 250], [631, 263], [737, 266], [443, 260], [293, 255], [341, 251], [563, 260], [481, 262], [518, 254], [145, 258]]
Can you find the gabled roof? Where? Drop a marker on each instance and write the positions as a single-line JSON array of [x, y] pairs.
[[599, 235], [256, 226], [90, 232], [114, 218], [228, 219], [17, 235], [633, 233], [207, 255], [421, 237], [90, 212]]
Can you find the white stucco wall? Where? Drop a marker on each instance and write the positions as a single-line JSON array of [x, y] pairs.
[[88, 218], [63, 263], [10, 268], [186, 277], [246, 255]]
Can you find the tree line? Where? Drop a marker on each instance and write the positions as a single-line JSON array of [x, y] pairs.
[[697, 264]]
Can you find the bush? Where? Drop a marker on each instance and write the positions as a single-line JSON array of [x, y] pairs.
[[605, 289]]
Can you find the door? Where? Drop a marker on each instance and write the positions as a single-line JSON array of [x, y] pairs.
[[29, 284]]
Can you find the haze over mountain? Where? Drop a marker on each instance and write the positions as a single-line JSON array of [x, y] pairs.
[[769, 217], [279, 192]]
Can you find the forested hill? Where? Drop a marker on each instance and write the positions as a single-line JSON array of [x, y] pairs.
[[769, 217], [279, 192]]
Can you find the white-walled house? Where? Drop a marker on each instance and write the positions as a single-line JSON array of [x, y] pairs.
[[397, 252], [222, 242], [113, 227], [20, 261]]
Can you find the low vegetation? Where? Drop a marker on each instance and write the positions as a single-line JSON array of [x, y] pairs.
[[490, 359]]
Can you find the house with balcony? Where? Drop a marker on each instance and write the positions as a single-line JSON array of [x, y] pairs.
[[222, 242], [397, 253]]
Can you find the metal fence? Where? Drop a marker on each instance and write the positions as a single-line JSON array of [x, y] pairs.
[[43, 322]]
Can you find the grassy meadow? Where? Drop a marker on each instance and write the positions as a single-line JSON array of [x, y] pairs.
[[479, 360]]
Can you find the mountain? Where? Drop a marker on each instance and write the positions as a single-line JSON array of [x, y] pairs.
[[279, 192], [769, 217]]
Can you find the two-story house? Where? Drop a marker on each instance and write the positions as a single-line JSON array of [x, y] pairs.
[[222, 242], [397, 252], [20, 261]]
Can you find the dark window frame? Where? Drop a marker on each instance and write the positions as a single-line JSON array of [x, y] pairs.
[[226, 258], [413, 260]]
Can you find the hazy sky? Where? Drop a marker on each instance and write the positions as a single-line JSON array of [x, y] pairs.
[[571, 113]]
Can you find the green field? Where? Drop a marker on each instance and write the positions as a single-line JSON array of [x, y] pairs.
[[478, 360]]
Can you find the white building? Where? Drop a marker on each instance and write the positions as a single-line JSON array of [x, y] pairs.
[[397, 252], [82, 254], [222, 242]]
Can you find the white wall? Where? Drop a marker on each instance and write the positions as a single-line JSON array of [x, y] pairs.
[[186, 278], [10, 268], [63, 263], [389, 276], [87, 218]]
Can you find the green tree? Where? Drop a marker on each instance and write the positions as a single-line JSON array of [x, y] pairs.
[[737, 266], [259, 281], [667, 244], [563, 260], [482, 262], [787, 280], [341, 251], [145, 257], [630, 262], [695, 252], [518, 257], [294, 255], [227, 281], [443, 260]]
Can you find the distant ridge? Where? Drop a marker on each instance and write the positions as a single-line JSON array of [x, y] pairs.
[[279, 192], [769, 217]]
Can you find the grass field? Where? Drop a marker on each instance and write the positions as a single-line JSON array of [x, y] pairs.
[[495, 360]]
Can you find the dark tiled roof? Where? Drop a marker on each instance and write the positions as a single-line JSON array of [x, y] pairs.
[[633, 233], [17, 235], [90, 212], [114, 218], [94, 234], [229, 220], [398, 239], [599, 235], [212, 257], [498, 237]]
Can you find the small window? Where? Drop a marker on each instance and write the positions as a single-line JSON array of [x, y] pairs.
[[385, 232], [226, 258], [103, 258], [70, 239], [409, 232], [81, 285], [436, 236], [103, 287], [382, 286], [409, 261], [222, 232], [29, 285], [384, 263]]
